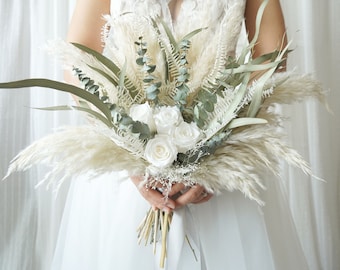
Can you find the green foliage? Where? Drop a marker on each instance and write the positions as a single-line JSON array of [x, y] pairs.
[[122, 121], [45, 83], [182, 89], [89, 84], [152, 87], [113, 73]]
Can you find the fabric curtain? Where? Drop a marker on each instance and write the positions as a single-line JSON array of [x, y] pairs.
[[314, 132], [30, 216]]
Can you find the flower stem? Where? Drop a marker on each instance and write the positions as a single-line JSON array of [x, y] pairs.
[[164, 235]]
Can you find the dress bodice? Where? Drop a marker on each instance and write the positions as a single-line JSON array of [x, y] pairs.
[[193, 14]]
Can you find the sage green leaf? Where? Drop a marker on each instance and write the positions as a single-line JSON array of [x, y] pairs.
[[251, 68], [252, 43], [111, 66], [183, 88], [77, 108], [126, 121], [193, 33], [46, 83], [196, 112], [122, 76], [245, 121], [93, 89], [230, 112], [150, 68], [208, 106], [151, 88], [183, 78], [170, 36], [140, 61], [148, 79], [265, 57], [140, 52], [203, 114], [257, 97], [142, 129], [112, 80], [100, 57]]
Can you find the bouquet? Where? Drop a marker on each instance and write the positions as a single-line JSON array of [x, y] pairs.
[[156, 113]]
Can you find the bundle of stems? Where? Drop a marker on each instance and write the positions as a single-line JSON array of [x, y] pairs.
[[155, 226]]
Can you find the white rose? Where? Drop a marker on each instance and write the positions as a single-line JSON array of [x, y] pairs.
[[160, 151], [144, 114], [185, 136], [166, 118]]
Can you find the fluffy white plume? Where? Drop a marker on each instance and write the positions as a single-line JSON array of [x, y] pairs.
[[290, 88], [75, 151], [239, 163]]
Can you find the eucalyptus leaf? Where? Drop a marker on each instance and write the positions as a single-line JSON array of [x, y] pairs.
[[208, 106], [141, 52], [150, 68], [126, 121], [148, 79], [140, 61], [142, 129], [152, 88], [182, 78], [203, 114]]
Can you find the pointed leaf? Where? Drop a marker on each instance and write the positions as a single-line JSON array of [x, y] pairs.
[[245, 121], [77, 108], [61, 87]]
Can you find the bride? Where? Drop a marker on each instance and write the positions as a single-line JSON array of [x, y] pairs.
[[227, 231]]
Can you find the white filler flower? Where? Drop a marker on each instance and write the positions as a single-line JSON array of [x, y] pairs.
[[160, 151], [166, 118], [143, 113], [185, 136]]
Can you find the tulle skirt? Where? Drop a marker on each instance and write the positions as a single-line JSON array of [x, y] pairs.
[[98, 231]]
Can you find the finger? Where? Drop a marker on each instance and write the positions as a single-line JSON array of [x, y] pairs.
[[175, 189], [153, 196], [157, 200], [204, 198], [192, 195]]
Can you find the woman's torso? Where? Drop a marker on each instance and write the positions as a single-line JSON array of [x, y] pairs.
[[180, 14]]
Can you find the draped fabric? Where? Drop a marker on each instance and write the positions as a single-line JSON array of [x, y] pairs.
[[314, 132], [30, 217]]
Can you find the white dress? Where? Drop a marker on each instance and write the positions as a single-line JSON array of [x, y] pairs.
[[98, 230]]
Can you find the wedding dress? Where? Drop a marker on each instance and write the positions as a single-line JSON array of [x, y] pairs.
[[98, 230]]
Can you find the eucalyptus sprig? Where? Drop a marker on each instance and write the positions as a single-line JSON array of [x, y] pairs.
[[122, 121], [88, 83], [182, 88], [152, 87]]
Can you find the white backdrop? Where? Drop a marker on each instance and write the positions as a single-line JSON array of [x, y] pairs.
[[30, 218]]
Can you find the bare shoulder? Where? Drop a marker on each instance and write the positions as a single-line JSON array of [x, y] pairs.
[[87, 22], [272, 31]]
